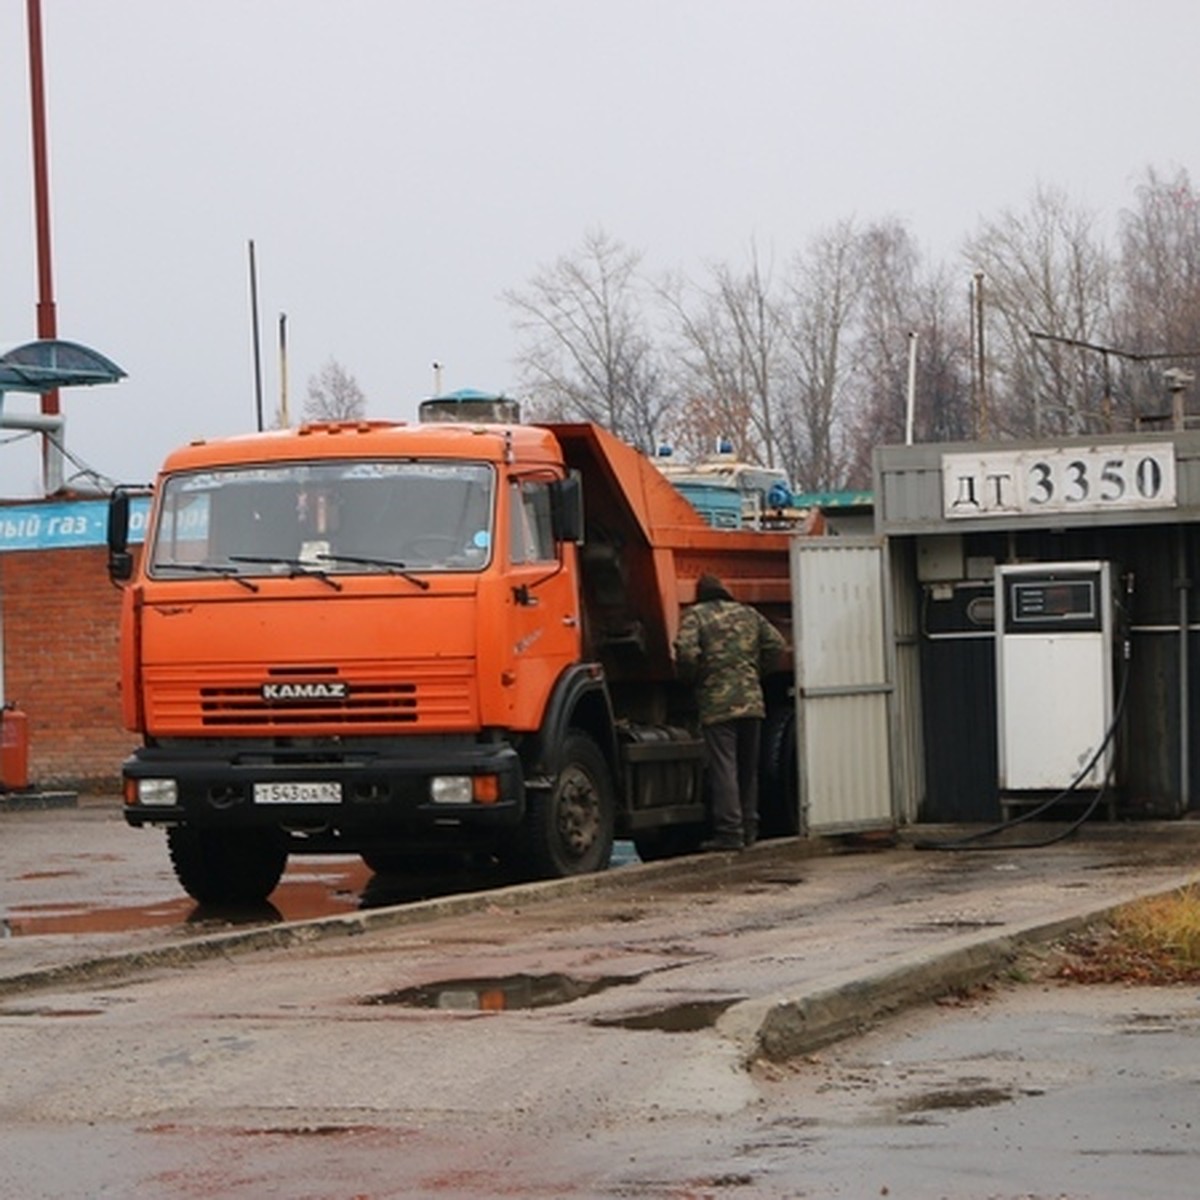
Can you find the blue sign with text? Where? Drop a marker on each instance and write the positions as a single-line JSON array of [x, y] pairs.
[[66, 524]]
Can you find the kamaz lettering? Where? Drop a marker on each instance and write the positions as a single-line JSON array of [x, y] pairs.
[[304, 691]]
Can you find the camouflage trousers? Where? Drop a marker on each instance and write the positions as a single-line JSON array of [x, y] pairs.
[[731, 751]]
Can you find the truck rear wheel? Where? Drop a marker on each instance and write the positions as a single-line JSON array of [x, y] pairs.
[[221, 867], [569, 827], [779, 776], [675, 841]]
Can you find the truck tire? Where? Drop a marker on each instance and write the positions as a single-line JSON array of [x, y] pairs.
[[388, 862], [653, 845], [412, 862], [223, 868], [569, 826], [779, 775]]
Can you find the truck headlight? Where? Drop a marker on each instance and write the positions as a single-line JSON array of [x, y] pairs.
[[450, 789], [464, 789], [157, 792]]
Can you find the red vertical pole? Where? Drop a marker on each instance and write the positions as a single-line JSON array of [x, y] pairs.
[[47, 316], [47, 319]]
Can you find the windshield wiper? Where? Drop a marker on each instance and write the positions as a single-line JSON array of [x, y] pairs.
[[208, 569], [296, 567], [393, 566]]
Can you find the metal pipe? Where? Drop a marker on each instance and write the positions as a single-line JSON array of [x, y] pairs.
[[980, 351], [911, 399], [284, 416], [1185, 758], [258, 383], [41, 422], [47, 424]]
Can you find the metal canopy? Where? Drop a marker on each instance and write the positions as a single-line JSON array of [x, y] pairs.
[[45, 366], [469, 404], [50, 363]]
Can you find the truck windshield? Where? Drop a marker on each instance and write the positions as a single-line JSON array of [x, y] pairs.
[[343, 517]]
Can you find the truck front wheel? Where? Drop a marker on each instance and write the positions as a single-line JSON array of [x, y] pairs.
[[223, 868], [569, 826]]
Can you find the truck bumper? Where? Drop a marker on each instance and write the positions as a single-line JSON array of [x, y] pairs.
[[432, 793]]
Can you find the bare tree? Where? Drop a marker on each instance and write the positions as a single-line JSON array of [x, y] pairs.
[[943, 388], [588, 352], [1047, 272], [1160, 276], [888, 317], [810, 370], [334, 395], [826, 288], [898, 305], [730, 339]]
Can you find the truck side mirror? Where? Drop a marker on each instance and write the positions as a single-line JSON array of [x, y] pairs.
[[120, 561], [566, 508]]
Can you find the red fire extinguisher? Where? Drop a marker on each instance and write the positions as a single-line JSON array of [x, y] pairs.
[[14, 749]]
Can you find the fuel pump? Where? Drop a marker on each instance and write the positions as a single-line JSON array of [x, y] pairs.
[[1056, 646]]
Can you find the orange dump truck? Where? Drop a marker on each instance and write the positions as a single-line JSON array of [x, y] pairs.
[[391, 639]]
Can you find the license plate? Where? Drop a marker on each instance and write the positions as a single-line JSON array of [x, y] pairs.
[[297, 793]]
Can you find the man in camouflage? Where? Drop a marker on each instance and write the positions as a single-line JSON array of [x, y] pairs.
[[725, 648]]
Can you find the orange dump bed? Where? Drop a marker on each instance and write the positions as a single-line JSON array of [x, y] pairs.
[[645, 548]]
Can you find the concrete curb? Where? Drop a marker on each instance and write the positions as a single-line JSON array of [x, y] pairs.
[[776, 1028]]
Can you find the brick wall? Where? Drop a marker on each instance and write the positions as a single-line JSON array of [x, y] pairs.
[[59, 622]]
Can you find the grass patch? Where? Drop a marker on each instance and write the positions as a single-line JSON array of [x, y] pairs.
[[1154, 941]]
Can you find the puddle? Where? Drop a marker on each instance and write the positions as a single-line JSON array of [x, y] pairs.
[[306, 1131], [60, 919], [307, 890], [950, 1099], [504, 993], [312, 887], [688, 1017], [171, 1128], [1143, 1023], [51, 1012], [954, 924]]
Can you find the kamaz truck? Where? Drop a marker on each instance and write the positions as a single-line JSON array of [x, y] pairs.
[[396, 640]]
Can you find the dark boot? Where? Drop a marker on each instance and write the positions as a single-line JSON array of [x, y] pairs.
[[722, 841]]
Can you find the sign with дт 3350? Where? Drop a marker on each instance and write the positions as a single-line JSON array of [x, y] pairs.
[[1058, 480]]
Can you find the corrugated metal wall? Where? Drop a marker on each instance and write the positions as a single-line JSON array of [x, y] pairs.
[[908, 758], [842, 684]]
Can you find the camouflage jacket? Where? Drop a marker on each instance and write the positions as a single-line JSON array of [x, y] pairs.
[[725, 648]]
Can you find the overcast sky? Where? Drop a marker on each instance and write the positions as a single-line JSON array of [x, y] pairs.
[[400, 163]]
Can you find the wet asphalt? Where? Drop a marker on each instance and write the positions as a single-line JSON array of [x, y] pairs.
[[800, 1020], [884, 925]]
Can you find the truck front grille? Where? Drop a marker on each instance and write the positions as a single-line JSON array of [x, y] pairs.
[[221, 706], [427, 696]]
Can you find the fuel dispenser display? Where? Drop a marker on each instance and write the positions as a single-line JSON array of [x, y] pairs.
[[1055, 652]]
